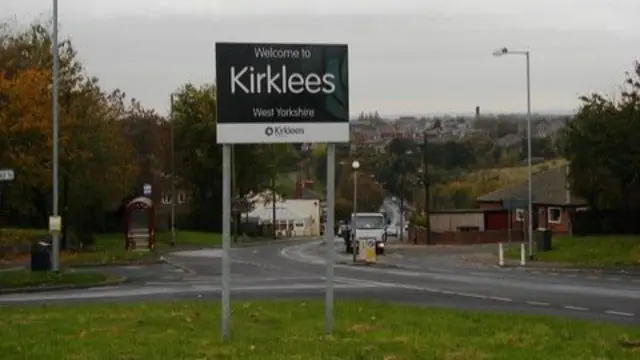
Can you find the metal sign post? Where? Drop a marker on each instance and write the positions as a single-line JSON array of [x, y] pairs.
[[280, 93], [329, 236], [226, 241]]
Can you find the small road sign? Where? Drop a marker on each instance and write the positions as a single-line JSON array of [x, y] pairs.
[[7, 175]]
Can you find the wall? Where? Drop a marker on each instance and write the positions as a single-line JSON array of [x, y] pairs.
[[454, 220], [562, 227], [493, 205], [418, 236]]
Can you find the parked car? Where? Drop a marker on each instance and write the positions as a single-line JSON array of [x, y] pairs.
[[392, 230]]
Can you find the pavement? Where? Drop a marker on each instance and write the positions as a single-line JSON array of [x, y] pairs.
[[297, 271]]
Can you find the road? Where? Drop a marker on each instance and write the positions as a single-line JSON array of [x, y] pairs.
[[431, 276]]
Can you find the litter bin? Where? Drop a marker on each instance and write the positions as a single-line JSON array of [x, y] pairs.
[[543, 240], [41, 256]]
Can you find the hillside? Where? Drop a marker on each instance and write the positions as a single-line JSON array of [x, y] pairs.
[[512, 175]]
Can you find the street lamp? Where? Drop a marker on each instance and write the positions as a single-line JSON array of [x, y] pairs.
[[502, 52], [355, 165], [55, 236]]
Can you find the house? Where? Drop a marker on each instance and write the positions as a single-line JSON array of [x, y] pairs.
[[292, 217], [311, 208], [552, 201]]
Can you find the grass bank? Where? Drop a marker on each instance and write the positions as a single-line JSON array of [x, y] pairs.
[[109, 248], [15, 279], [294, 330], [591, 251]]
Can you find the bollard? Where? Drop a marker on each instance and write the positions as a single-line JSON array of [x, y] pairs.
[[523, 255], [500, 255]]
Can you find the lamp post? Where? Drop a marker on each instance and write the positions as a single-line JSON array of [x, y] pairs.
[[55, 236], [502, 52], [355, 165]]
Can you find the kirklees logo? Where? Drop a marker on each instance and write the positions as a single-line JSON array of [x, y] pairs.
[[282, 131], [248, 80]]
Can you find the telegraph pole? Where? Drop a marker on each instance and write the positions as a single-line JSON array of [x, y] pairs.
[[425, 182]]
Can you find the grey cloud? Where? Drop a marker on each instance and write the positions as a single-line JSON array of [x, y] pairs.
[[398, 64]]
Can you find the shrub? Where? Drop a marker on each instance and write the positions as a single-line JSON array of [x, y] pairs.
[[13, 237], [419, 220]]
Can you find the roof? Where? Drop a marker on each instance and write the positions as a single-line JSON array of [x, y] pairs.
[[265, 213], [548, 187], [141, 199]]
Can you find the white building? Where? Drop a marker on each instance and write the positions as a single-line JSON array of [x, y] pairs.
[[311, 208], [289, 222]]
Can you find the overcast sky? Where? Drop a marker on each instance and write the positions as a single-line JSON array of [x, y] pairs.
[[406, 56]]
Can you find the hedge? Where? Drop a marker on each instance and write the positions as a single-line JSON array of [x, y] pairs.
[[12, 237]]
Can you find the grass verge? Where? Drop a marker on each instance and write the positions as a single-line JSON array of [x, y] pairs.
[[294, 330], [109, 248], [590, 251], [15, 279]]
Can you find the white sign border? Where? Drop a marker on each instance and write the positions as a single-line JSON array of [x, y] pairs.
[[255, 133]]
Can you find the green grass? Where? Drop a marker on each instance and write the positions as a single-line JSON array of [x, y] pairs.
[[515, 174], [294, 330], [13, 279], [591, 251], [109, 248]]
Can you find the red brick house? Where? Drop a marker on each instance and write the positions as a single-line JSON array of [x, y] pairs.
[[552, 200]]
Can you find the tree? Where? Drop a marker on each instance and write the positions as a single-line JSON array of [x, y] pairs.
[[370, 193], [149, 134], [194, 114], [601, 144], [94, 157]]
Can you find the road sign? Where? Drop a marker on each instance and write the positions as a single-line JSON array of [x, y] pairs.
[[146, 189], [7, 175], [282, 93]]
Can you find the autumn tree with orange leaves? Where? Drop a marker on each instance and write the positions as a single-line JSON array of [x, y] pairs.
[[97, 165]]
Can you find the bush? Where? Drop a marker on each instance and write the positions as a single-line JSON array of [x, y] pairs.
[[13, 237], [419, 220]]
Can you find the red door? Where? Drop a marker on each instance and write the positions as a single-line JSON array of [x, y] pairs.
[[497, 220]]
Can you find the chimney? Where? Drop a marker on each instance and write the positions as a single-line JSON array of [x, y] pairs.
[[477, 112]]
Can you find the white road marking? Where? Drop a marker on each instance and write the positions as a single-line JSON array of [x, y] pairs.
[[498, 298], [614, 279], [102, 288], [538, 303], [619, 313], [577, 308]]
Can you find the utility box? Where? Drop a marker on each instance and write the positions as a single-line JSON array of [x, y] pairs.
[[367, 250], [543, 240], [40, 256]]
